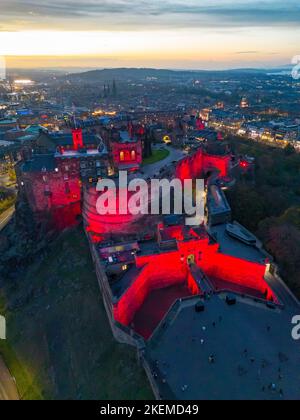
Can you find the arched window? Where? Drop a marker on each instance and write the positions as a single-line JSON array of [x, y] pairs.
[[133, 155], [122, 156]]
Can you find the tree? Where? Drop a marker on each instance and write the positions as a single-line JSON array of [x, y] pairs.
[[284, 244], [289, 149], [292, 216], [248, 206]]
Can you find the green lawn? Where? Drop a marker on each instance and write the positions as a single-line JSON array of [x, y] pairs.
[[157, 156], [60, 344]]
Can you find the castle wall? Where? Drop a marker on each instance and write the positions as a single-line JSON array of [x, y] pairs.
[[126, 151], [53, 195], [200, 163], [109, 223], [161, 271], [240, 272]]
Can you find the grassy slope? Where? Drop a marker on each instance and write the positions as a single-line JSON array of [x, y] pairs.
[[157, 155], [60, 344]]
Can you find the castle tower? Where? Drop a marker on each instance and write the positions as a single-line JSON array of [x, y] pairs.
[[77, 138], [200, 124]]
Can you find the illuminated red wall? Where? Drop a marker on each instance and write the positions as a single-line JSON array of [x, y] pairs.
[[200, 163], [162, 270], [173, 232], [237, 271], [56, 193], [216, 162], [158, 272], [127, 149], [50, 189], [200, 124], [227, 268], [65, 217], [77, 139], [105, 224]]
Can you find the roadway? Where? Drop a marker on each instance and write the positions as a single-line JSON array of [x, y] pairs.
[[6, 216], [154, 168], [8, 389]]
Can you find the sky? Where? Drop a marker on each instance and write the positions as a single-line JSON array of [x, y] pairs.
[[191, 34]]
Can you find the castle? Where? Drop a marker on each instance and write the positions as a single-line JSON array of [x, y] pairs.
[[56, 167], [167, 288]]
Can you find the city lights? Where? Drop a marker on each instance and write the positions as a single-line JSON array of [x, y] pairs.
[[149, 202]]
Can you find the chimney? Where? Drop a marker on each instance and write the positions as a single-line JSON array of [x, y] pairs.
[[77, 138]]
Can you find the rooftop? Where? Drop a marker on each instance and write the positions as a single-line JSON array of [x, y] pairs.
[[66, 139], [234, 247], [125, 137], [251, 347], [80, 153], [4, 143], [40, 163], [217, 201]]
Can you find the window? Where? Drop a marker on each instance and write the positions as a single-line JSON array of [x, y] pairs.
[[122, 156], [67, 188], [133, 155]]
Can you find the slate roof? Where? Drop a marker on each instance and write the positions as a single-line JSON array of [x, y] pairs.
[[40, 163]]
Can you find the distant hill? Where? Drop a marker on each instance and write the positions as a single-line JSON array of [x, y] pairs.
[[135, 74]]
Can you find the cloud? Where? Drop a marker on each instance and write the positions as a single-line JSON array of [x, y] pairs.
[[137, 14], [246, 52]]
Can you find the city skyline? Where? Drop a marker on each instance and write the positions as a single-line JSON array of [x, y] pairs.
[[181, 35], [149, 202]]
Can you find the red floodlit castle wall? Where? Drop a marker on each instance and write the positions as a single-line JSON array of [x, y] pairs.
[[109, 223], [54, 193], [170, 268], [48, 190], [77, 139], [200, 163], [216, 162], [127, 153], [189, 168], [229, 269], [65, 217], [157, 272], [237, 271]]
